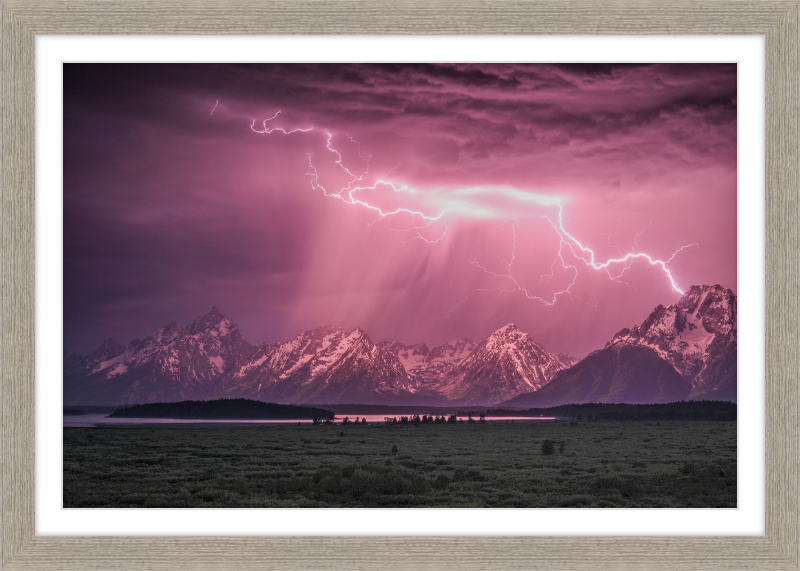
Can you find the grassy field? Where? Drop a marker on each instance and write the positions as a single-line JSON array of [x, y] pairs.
[[502, 464]]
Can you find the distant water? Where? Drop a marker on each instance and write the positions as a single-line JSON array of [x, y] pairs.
[[90, 420]]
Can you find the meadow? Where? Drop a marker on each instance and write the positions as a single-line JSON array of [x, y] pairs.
[[541, 464]]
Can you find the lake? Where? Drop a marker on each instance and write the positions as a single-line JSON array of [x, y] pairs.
[[90, 420]]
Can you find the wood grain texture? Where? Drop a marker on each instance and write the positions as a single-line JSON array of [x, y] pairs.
[[23, 19], [16, 273], [409, 17], [782, 291]]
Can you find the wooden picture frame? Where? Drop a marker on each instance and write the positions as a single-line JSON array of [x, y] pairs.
[[22, 20]]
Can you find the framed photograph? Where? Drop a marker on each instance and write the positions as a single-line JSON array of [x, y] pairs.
[[387, 194]]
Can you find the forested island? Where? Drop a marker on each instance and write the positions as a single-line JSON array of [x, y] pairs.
[[222, 409]]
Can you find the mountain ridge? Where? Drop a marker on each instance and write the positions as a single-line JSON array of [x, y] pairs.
[[684, 351], [697, 336], [210, 358]]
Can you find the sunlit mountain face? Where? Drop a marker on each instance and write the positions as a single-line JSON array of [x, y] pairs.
[[417, 205]]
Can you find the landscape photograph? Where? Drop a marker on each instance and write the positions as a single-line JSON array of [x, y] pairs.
[[505, 285]]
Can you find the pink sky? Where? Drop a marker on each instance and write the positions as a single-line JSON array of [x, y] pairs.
[[172, 202]]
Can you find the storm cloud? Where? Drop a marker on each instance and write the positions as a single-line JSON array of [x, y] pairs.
[[173, 204]]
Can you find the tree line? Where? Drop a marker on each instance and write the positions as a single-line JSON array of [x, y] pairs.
[[680, 410]]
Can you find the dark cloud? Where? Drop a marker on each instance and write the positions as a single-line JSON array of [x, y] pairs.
[[170, 208], [599, 69]]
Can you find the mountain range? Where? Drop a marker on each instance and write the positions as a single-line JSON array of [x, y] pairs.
[[682, 351]]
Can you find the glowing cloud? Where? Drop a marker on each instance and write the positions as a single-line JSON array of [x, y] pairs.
[[428, 205]]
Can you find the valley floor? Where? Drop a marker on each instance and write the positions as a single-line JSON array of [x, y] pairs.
[[496, 464]]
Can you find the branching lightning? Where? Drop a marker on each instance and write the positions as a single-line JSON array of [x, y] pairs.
[[583, 251], [265, 130], [432, 207], [509, 274]]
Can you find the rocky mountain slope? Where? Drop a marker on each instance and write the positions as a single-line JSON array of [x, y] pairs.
[[697, 336], [503, 365], [693, 339], [172, 364], [325, 365], [566, 359], [427, 367], [210, 359], [621, 373]]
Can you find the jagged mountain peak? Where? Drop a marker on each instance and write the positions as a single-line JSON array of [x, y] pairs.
[[214, 320], [358, 333], [703, 311], [503, 365], [507, 336], [509, 339], [110, 343], [566, 359], [508, 328], [455, 350], [326, 365], [108, 350], [172, 327], [714, 306], [356, 336], [412, 357], [692, 295], [696, 335], [172, 363], [328, 329], [320, 333]]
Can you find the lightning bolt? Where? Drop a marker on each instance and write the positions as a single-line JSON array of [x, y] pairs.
[[516, 286], [582, 251], [214, 108], [267, 130], [463, 202], [346, 193]]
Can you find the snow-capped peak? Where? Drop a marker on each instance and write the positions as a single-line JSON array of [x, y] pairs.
[[511, 327], [173, 362], [693, 334], [455, 350], [713, 306], [503, 365], [506, 335], [214, 319], [356, 333]]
